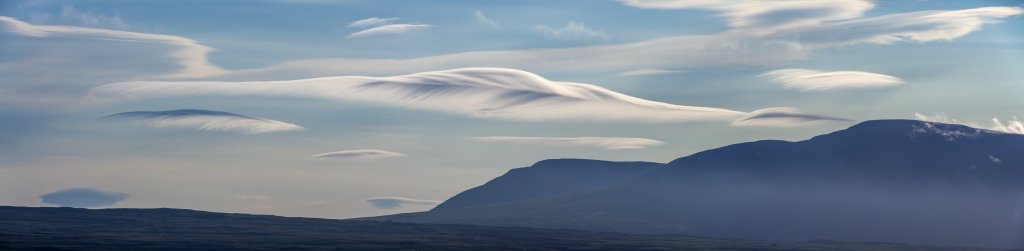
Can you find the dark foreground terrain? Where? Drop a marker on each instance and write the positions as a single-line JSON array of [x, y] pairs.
[[27, 228]]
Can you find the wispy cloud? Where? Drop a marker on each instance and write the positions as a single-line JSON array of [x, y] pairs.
[[396, 202], [480, 92], [766, 16], [191, 55], [1012, 125], [373, 21], [738, 47], [572, 30], [390, 29], [207, 121], [812, 80], [83, 197], [91, 18], [647, 72], [783, 117], [483, 20], [360, 154], [606, 143]]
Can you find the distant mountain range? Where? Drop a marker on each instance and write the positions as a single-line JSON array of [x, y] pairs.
[[882, 180]]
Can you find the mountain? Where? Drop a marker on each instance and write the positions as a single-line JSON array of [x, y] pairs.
[[28, 228], [882, 180]]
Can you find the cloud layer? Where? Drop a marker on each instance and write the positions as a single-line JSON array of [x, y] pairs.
[[812, 80], [479, 92], [396, 202], [606, 143], [83, 197], [206, 120], [358, 154]]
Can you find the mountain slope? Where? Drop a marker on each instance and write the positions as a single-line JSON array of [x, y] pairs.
[[884, 180]]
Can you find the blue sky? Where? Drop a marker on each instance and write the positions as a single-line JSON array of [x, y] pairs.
[[295, 114]]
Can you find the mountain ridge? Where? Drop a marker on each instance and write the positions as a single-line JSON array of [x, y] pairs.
[[880, 180]]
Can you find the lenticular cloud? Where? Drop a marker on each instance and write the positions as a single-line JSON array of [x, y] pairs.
[[496, 93], [207, 121], [811, 80]]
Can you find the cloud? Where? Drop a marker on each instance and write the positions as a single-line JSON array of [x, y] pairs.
[[396, 202], [783, 117], [361, 154], [494, 93], [83, 197], [483, 20], [389, 30], [606, 143], [83, 17], [811, 80], [191, 55], [646, 72], [1012, 125], [52, 67], [572, 30], [919, 27], [206, 120], [373, 21], [252, 197], [732, 48], [766, 16]]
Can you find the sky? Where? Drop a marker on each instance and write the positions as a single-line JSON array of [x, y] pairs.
[[341, 109]]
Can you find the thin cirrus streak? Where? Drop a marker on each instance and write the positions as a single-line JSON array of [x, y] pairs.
[[207, 120], [816, 81], [606, 143], [479, 92], [358, 154], [373, 21], [389, 29]]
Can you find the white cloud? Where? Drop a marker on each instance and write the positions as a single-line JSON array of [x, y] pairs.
[[606, 143], [207, 121], [55, 65], [389, 30], [647, 72], [396, 202], [920, 26], [572, 30], [812, 80], [359, 154], [783, 117], [191, 55], [479, 92], [373, 21], [1012, 125], [766, 16], [482, 19], [734, 48]]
